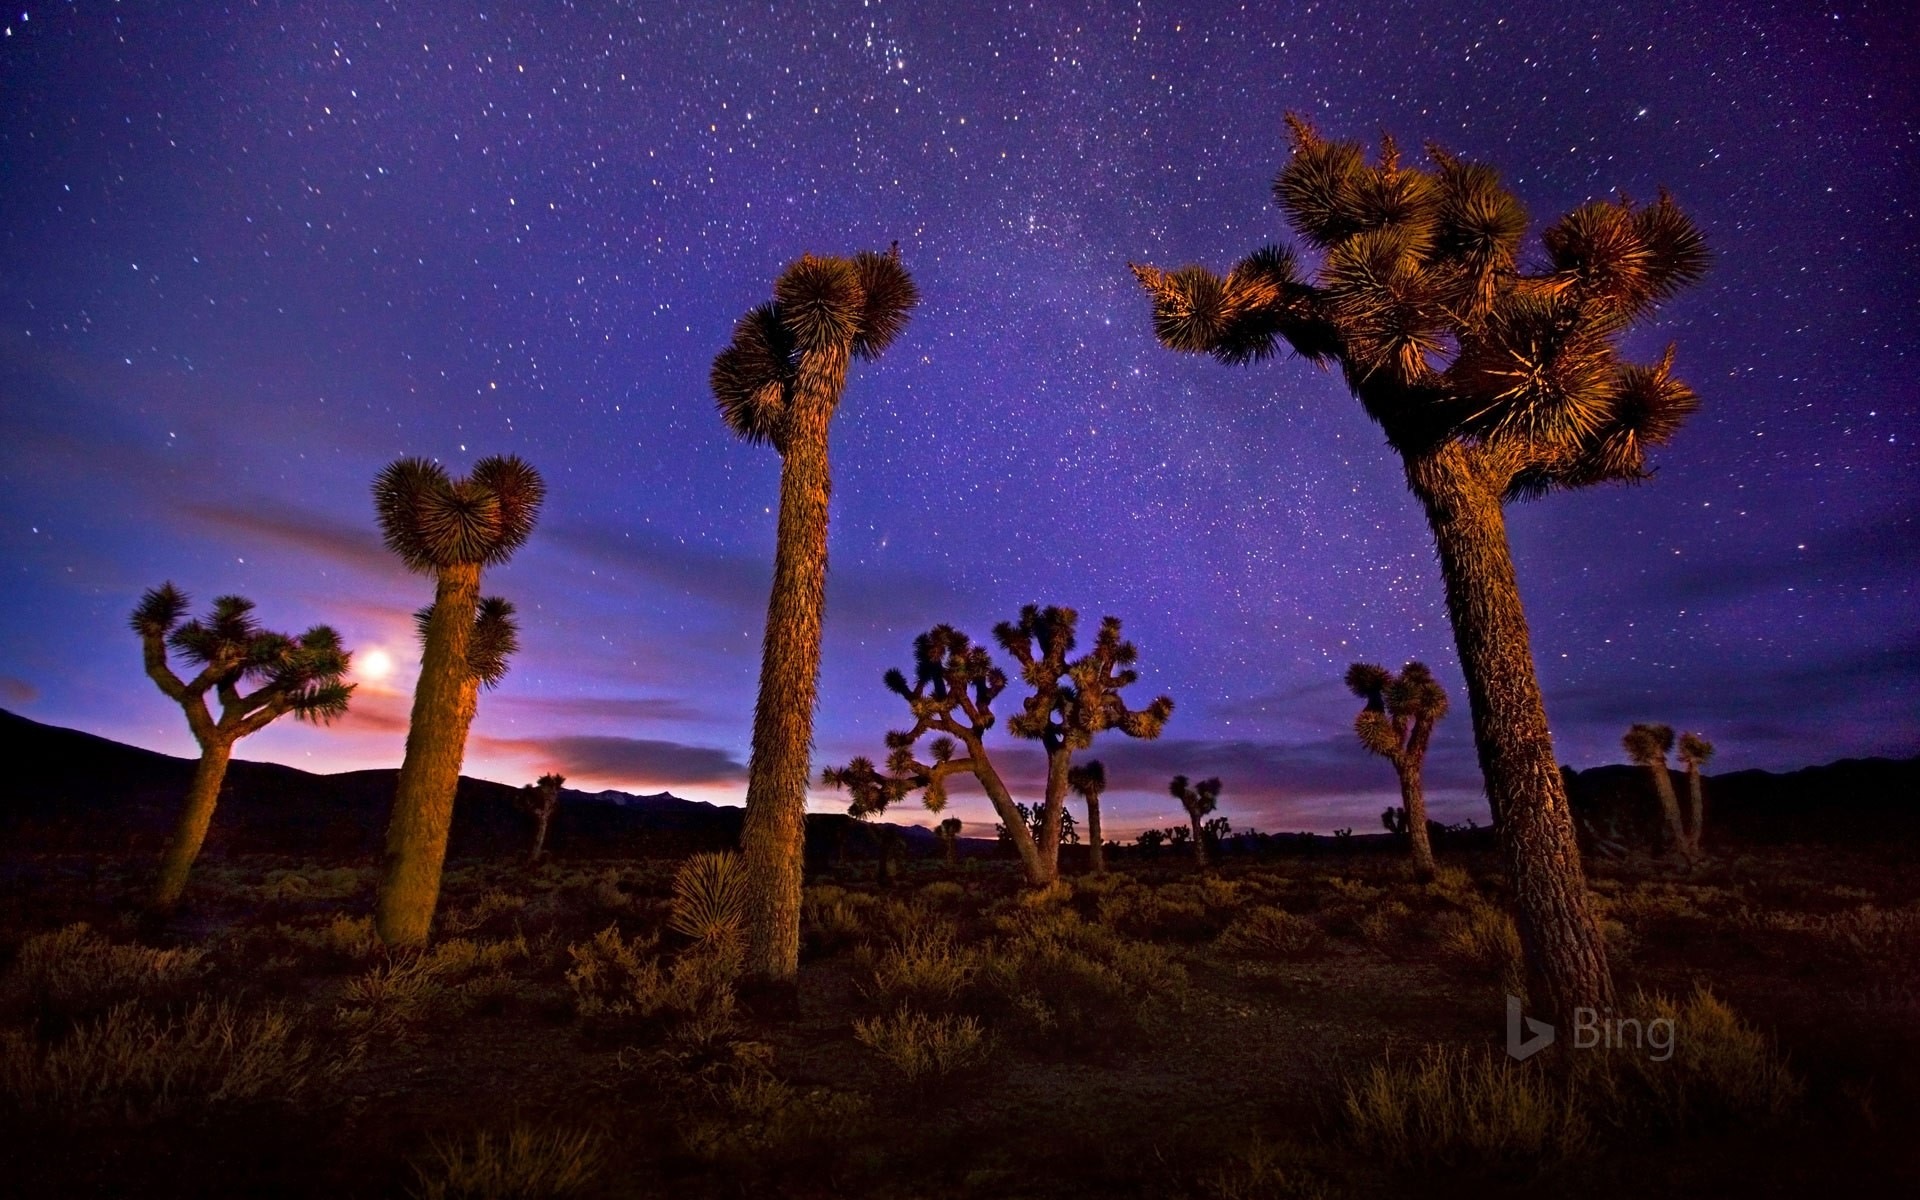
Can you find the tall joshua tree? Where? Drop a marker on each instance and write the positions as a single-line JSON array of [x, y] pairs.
[[1647, 745], [1088, 781], [1397, 724], [948, 831], [539, 800], [1694, 753], [299, 675], [450, 529], [779, 381], [1199, 800], [1492, 382], [1072, 700]]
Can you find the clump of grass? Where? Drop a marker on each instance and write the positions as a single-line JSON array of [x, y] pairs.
[[341, 942], [1261, 1171], [1484, 936], [1265, 931], [1706, 1067], [942, 893], [926, 969], [834, 918], [526, 1162], [1452, 1105], [132, 1065], [314, 883], [924, 1048], [492, 904], [74, 973], [760, 1124], [624, 983], [710, 899]]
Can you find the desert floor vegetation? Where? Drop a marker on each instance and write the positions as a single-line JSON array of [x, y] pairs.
[[1317, 1026]]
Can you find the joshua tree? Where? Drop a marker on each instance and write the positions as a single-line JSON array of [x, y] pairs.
[[948, 831], [1491, 382], [1396, 724], [1694, 753], [1199, 800], [539, 800], [449, 529], [299, 675], [1072, 700], [871, 793], [1647, 745], [779, 381], [1152, 840], [1088, 780]]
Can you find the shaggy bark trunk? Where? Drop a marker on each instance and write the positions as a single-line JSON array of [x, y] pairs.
[[1058, 762], [443, 704], [1199, 842], [1038, 870], [1413, 798], [1095, 844], [950, 848], [1696, 810], [773, 835], [540, 834], [1566, 957], [1669, 808], [191, 833]]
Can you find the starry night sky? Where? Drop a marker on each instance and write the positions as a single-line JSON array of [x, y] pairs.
[[249, 257]]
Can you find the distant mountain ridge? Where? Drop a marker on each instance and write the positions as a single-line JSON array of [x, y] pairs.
[[73, 792]]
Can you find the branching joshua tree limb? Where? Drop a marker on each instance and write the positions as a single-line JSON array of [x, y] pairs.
[[302, 676], [1694, 753], [1199, 800], [539, 801], [1088, 781], [779, 381], [1072, 700], [1647, 745], [449, 529], [1492, 382], [1397, 724]]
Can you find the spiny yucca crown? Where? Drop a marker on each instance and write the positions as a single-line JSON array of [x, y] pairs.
[[1075, 700], [1421, 298], [433, 521], [858, 305], [869, 790], [307, 671], [1694, 749], [1200, 799], [1648, 744], [1087, 779], [495, 639]]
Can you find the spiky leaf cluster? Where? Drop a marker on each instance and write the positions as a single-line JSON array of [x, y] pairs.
[[869, 791], [1198, 799], [1074, 699], [823, 308], [1440, 331], [433, 521], [495, 638], [1088, 780], [1694, 750], [1648, 744], [955, 683], [1400, 709]]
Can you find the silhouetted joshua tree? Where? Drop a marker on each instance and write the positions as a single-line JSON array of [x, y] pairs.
[[1647, 745], [1072, 700], [871, 793], [948, 831], [299, 675], [1492, 382], [779, 381], [450, 529], [1199, 801], [1694, 753], [1088, 781], [539, 801], [1397, 724]]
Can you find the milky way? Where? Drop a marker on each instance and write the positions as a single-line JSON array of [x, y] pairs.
[[247, 259]]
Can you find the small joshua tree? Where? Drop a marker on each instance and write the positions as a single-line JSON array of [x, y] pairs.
[[1088, 781], [1647, 745], [948, 831], [450, 529], [539, 801], [1694, 753], [779, 381], [1199, 800], [1397, 724], [1072, 700], [302, 676], [1492, 381], [871, 793], [1152, 839]]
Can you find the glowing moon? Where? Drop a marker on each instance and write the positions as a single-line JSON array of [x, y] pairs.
[[374, 664]]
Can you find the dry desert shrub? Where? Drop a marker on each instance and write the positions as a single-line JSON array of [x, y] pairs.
[[1684, 1065], [1452, 1105], [75, 973], [1265, 931], [526, 1162], [924, 1048], [624, 984]]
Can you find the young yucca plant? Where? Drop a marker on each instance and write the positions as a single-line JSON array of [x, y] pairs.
[[1397, 724], [300, 675], [1492, 381], [779, 381], [451, 529], [539, 800], [710, 899]]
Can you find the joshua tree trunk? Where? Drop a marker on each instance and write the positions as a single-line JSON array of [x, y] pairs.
[[540, 834], [1040, 871], [1413, 798], [772, 839], [443, 707], [1566, 958], [1199, 842], [1677, 841], [184, 846], [1058, 764], [1097, 847], [1696, 810]]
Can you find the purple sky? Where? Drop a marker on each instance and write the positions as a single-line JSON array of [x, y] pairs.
[[246, 259]]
